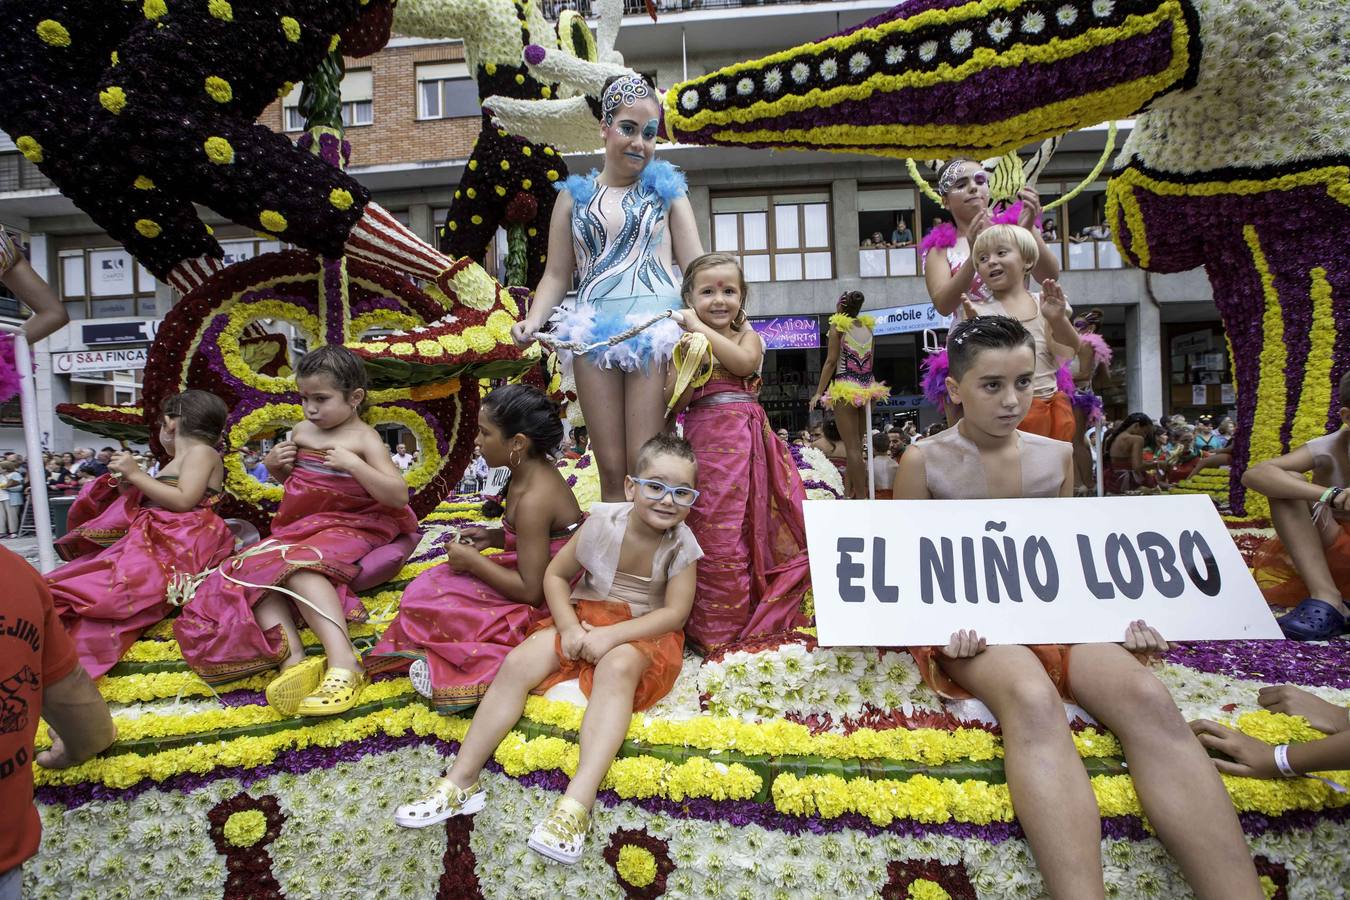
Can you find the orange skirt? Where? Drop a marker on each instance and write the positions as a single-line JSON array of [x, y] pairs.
[[664, 654], [1274, 570], [1053, 657], [1051, 417]]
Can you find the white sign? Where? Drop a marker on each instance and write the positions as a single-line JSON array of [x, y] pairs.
[[1199, 394], [905, 319], [110, 273], [496, 480], [1226, 395], [1073, 570], [98, 360]]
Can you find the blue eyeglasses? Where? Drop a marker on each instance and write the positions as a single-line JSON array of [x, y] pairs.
[[656, 491]]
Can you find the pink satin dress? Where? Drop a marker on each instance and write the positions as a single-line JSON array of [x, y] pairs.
[[99, 518], [106, 600], [748, 518], [326, 524], [462, 627]]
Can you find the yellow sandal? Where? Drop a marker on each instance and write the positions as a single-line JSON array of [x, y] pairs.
[[339, 692], [286, 691]]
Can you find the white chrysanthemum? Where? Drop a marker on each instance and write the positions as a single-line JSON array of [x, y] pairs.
[[1102, 8], [961, 40], [859, 63], [773, 80], [800, 72], [689, 100], [828, 69], [1066, 15], [999, 29], [928, 50], [745, 87], [1033, 23], [894, 54], [718, 92]]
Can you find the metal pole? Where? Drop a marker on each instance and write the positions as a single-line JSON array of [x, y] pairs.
[[1100, 462], [867, 445], [37, 473]]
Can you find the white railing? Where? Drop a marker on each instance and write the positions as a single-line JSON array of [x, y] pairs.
[[37, 473]]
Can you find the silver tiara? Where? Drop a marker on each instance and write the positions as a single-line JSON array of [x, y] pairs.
[[948, 176], [625, 91]]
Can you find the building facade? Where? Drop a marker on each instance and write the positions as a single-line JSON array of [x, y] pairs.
[[806, 227]]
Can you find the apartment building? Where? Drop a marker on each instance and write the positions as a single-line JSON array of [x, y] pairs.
[[806, 226]]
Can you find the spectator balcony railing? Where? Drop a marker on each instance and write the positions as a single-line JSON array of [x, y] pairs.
[[883, 262]]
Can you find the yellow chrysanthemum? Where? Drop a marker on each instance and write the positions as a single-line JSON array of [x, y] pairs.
[[114, 58], [155, 9], [551, 175], [546, 91], [636, 865], [429, 348], [30, 148], [148, 228], [143, 184], [218, 89], [113, 99], [342, 199], [272, 220], [477, 220], [923, 889], [473, 165], [333, 44], [501, 191], [506, 165], [291, 28], [218, 150], [402, 348], [471, 192], [452, 225], [244, 829], [53, 33], [221, 10]]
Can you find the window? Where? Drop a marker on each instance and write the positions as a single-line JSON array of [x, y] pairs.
[[887, 224], [445, 91], [776, 237], [358, 105], [1088, 233], [104, 283]]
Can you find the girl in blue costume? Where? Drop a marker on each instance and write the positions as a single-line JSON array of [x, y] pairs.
[[622, 230]]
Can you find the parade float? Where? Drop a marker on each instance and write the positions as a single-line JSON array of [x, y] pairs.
[[776, 767]]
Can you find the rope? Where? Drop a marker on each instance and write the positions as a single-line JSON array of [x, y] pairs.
[[583, 348]]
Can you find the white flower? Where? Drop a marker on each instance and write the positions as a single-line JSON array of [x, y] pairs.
[[1102, 8], [894, 54], [1066, 15], [961, 40], [690, 100], [1033, 23], [928, 50], [800, 72], [773, 80], [718, 92], [745, 87], [828, 69], [999, 29], [859, 62]]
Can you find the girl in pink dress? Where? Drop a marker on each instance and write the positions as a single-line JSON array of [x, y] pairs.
[[106, 600], [458, 620], [344, 498], [749, 516]]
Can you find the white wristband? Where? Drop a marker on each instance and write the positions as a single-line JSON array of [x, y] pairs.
[[1282, 761]]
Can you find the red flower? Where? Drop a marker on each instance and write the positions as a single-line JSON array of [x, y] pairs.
[[521, 208]]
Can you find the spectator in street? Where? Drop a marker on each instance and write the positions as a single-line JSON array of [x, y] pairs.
[[883, 467], [402, 458], [911, 430], [59, 481], [98, 465], [478, 468], [52, 686], [783, 435], [68, 463], [12, 481], [253, 464]]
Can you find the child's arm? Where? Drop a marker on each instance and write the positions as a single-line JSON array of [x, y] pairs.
[[557, 278], [49, 313], [684, 240], [1282, 478], [1254, 758], [558, 594], [525, 582], [945, 287], [1066, 486], [373, 470], [280, 460], [1062, 337], [741, 356], [1047, 263], [194, 475], [827, 368], [911, 478], [670, 617]]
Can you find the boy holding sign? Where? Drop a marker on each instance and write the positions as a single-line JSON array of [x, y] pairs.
[[992, 363]]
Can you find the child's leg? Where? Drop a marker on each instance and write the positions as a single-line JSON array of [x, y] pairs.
[[273, 610], [1050, 790], [601, 394], [1303, 540], [644, 411], [851, 422], [1082, 457], [1178, 786], [522, 670], [607, 718], [331, 627]]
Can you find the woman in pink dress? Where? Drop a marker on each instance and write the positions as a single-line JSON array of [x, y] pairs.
[[106, 600], [748, 518], [458, 621]]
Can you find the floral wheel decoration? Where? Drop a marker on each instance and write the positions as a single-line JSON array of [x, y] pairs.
[[119, 423], [241, 828], [641, 863]]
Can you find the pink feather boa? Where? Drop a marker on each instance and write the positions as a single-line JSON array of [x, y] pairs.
[[945, 235], [1101, 351], [9, 369], [934, 382]]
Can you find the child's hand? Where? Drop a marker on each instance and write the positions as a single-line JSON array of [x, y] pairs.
[[964, 645], [1342, 501], [1140, 637], [459, 557], [523, 333], [813, 402], [573, 639], [342, 459], [1327, 718], [978, 224], [968, 308], [596, 644], [477, 537], [281, 456], [1031, 207], [1054, 305], [124, 463], [1250, 758]]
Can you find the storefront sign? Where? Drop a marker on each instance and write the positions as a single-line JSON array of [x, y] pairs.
[[1193, 342], [98, 360], [788, 332], [900, 401], [140, 332], [906, 319], [110, 273], [897, 573]]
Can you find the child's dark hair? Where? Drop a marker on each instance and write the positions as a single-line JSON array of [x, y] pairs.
[[522, 409], [341, 365], [665, 444], [1125, 424], [1342, 392], [850, 303], [200, 414], [970, 337], [880, 443]]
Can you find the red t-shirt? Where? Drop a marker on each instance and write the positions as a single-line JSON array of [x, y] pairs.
[[35, 652]]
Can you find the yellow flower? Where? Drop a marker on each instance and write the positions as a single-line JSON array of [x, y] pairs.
[[291, 28], [429, 348], [148, 228], [218, 89], [476, 219], [340, 198], [30, 148], [155, 9], [501, 191], [402, 348], [218, 150], [472, 193], [545, 91], [551, 174], [333, 44], [113, 99], [53, 33], [636, 865], [473, 166], [143, 184], [506, 165], [452, 225], [272, 220], [221, 10], [454, 344], [246, 828], [923, 889], [115, 58]]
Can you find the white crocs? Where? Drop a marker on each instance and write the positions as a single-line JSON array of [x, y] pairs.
[[419, 673], [447, 799], [562, 836]]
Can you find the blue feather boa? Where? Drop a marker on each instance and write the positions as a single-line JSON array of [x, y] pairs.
[[659, 177]]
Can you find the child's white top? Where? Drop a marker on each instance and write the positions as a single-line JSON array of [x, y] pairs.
[[598, 547]]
